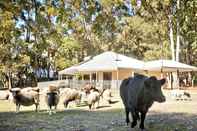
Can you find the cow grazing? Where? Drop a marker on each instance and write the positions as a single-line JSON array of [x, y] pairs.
[[107, 95], [93, 97], [138, 94], [69, 95], [25, 97], [88, 87], [52, 97]]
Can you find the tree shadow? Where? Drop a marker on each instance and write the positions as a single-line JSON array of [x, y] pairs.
[[82, 105], [100, 107], [113, 102], [81, 119]]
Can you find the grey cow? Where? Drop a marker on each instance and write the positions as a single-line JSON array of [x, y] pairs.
[[138, 94]]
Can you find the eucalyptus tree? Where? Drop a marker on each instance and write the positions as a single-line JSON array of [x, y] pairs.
[[9, 56]]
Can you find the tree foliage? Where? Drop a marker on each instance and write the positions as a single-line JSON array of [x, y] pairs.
[[58, 33]]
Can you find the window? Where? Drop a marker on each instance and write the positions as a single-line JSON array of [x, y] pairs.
[[86, 77], [94, 76], [107, 75]]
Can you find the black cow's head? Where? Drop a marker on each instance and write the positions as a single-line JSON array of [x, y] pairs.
[[153, 88]]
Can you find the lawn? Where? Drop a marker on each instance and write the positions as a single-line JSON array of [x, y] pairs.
[[169, 116]]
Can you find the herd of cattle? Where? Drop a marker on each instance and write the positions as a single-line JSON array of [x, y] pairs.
[[137, 93], [31, 96]]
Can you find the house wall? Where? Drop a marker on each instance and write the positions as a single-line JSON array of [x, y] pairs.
[[122, 74], [125, 73], [99, 76], [157, 74]]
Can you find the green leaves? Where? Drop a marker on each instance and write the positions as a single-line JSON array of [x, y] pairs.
[[71, 30]]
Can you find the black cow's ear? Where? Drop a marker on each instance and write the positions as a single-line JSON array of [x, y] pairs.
[[149, 81], [163, 81]]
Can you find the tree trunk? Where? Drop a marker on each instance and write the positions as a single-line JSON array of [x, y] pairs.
[[178, 32], [171, 37], [48, 65], [172, 75], [9, 80], [178, 39]]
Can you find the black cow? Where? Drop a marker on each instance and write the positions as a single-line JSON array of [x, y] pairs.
[[52, 97], [138, 94]]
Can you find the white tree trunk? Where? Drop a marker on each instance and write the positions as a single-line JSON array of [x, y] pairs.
[[177, 42], [9, 81], [178, 33], [171, 37]]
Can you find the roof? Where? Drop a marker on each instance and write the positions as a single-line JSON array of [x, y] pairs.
[[168, 66], [69, 71], [111, 61]]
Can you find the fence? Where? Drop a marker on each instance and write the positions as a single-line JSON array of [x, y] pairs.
[[113, 84]]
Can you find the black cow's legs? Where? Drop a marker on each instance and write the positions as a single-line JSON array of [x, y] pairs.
[[137, 115], [143, 115], [50, 110], [66, 104], [127, 115], [37, 106], [134, 122], [17, 107]]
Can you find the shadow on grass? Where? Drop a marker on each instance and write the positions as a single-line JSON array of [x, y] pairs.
[[82, 105], [84, 120], [100, 107], [113, 102]]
